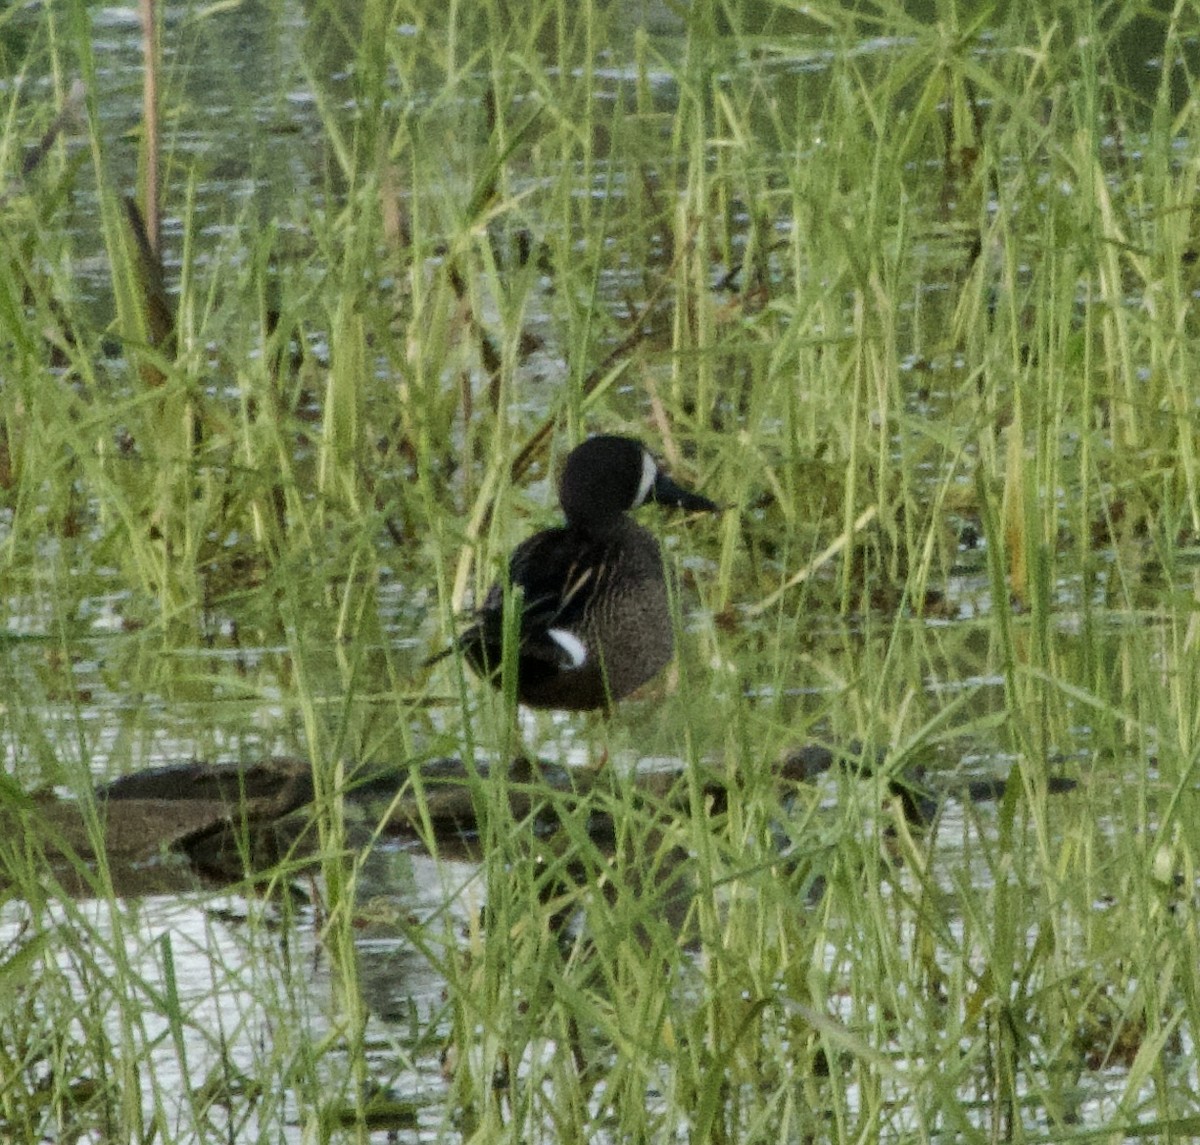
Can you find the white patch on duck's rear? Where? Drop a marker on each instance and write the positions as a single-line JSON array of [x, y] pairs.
[[575, 648], [649, 473]]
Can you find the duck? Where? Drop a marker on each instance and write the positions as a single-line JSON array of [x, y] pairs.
[[595, 621]]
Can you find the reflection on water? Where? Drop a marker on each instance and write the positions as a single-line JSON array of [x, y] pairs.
[[214, 993], [201, 993]]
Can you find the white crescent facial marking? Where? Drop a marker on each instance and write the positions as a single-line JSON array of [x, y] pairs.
[[571, 645], [649, 472]]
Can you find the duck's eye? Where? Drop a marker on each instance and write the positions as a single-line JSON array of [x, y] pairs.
[[575, 648]]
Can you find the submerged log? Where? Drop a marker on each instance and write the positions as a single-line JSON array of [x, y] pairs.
[[227, 821], [139, 823]]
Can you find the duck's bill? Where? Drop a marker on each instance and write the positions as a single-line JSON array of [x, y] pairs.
[[664, 491]]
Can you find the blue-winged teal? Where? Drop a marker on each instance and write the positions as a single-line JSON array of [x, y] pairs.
[[595, 622]]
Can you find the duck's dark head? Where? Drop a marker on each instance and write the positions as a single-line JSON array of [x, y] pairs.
[[609, 475]]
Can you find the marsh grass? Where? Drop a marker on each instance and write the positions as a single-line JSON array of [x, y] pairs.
[[913, 297]]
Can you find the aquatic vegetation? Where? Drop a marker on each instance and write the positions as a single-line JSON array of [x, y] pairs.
[[913, 298]]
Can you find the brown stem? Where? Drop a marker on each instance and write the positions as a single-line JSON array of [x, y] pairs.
[[151, 211]]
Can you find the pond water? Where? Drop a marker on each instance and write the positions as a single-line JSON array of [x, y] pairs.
[[99, 682]]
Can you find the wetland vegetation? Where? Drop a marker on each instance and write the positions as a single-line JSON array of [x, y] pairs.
[[909, 288]]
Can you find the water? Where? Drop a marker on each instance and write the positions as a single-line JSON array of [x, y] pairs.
[[96, 688]]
